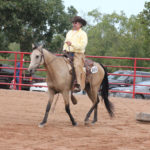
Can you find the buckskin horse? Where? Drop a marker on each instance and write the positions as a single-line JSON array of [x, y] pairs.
[[59, 80]]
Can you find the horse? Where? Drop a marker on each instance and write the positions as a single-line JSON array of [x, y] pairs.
[[59, 80]]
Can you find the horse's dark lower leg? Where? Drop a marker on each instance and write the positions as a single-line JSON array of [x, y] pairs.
[[46, 114], [95, 111], [69, 113], [95, 115], [65, 95], [89, 113], [50, 100], [92, 93]]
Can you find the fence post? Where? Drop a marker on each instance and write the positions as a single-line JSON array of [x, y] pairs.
[[21, 69], [15, 67], [134, 78]]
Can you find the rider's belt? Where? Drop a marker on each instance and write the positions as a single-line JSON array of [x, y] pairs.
[[70, 54]]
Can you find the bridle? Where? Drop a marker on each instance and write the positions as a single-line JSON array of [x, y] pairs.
[[42, 56]]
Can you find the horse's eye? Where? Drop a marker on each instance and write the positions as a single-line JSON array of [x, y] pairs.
[[37, 57]]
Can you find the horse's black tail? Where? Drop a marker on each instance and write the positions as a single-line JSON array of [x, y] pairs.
[[104, 93]]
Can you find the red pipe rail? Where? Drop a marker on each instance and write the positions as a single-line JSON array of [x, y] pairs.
[[21, 54]]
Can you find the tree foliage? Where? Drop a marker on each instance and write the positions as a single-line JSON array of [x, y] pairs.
[[144, 18], [26, 22], [116, 35], [29, 21]]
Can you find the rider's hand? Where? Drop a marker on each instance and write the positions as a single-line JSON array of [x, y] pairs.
[[64, 51], [68, 43]]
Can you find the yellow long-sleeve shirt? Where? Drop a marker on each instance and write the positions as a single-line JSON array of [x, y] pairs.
[[78, 41]]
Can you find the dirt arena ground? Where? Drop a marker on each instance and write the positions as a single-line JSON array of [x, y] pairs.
[[21, 112]]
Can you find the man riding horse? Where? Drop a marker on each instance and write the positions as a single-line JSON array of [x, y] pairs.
[[59, 78], [74, 45]]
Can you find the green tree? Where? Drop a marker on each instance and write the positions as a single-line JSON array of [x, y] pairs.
[[144, 18], [26, 21], [116, 35], [3, 44], [104, 37]]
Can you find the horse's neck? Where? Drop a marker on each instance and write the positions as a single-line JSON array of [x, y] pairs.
[[51, 66], [48, 57], [56, 68]]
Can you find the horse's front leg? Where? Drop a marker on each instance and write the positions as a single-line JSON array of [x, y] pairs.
[[51, 96], [67, 107]]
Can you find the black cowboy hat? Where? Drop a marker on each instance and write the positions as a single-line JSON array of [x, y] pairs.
[[80, 20]]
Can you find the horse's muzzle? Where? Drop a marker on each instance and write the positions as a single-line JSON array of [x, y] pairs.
[[31, 71]]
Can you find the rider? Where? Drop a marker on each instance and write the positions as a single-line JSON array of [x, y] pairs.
[[75, 44]]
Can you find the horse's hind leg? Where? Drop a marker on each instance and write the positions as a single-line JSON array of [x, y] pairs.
[[67, 107], [95, 111], [51, 96], [93, 95]]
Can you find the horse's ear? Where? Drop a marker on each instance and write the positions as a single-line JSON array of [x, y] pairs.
[[40, 47], [33, 46]]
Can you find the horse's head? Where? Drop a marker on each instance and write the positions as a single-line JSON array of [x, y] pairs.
[[37, 58]]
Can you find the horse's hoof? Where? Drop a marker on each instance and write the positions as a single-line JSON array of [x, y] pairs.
[[86, 122], [93, 122], [74, 124], [41, 125]]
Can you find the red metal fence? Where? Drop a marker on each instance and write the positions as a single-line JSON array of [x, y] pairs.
[[21, 55], [18, 57], [134, 67]]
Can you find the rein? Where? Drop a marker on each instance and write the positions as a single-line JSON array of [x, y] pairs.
[[42, 56]]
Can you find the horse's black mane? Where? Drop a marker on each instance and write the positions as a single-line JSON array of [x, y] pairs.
[[35, 47]]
